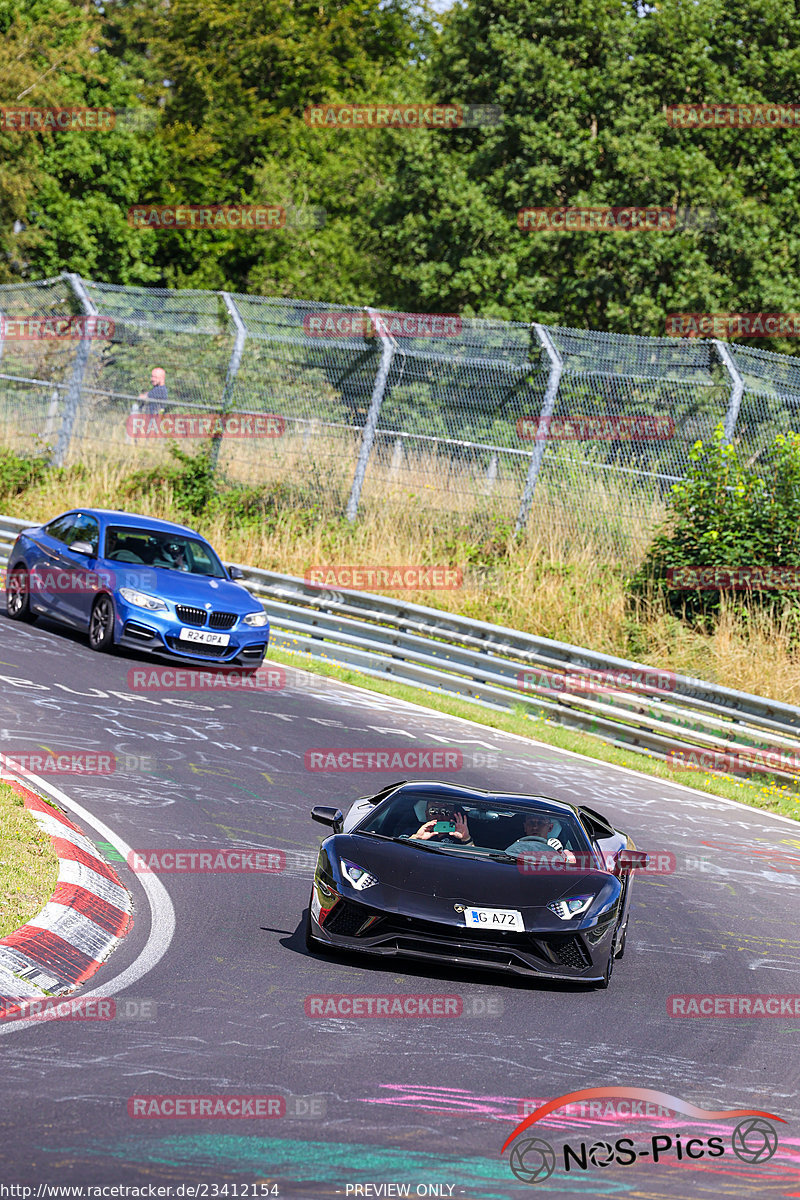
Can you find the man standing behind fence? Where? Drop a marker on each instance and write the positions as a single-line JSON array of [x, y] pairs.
[[157, 393]]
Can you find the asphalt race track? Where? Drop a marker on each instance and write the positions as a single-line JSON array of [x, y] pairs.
[[380, 1103]]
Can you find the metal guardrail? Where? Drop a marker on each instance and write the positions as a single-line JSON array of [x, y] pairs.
[[628, 704]]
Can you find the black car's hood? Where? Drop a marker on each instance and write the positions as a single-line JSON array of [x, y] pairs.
[[453, 876]]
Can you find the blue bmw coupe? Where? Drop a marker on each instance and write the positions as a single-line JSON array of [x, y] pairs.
[[130, 580]]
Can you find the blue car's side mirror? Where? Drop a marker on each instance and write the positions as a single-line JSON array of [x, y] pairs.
[[236, 572], [83, 548]]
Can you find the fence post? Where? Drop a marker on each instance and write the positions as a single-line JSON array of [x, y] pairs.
[[72, 402], [389, 345], [397, 458], [234, 363], [491, 475], [542, 429], [737, 388], [2, 332], [52, 413]]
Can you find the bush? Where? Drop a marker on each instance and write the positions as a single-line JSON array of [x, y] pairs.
[[728, 515], [266, 508], [190, 476], [18, 472]]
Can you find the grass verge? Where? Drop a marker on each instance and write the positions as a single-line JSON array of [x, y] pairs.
[[28, 863], [769, 796]]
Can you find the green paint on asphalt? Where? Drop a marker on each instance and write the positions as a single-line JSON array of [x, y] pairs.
[[329, 1164], [108, 851]]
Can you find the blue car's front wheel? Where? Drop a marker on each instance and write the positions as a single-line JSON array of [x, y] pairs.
[[101, 624]]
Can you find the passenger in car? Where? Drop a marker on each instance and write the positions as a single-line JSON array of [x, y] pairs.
[[439, 812]]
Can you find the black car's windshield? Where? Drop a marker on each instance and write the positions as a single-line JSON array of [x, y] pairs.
[[491, 827], [160, 548]]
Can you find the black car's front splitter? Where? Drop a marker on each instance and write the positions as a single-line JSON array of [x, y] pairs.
[[458, 955]]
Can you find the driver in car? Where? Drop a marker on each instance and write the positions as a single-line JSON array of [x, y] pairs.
[[537, 830], [174, 551], [444, 823]]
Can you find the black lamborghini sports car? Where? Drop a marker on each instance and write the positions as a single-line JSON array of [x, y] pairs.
[[436, 871]]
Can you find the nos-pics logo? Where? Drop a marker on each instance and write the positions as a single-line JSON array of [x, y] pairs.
[[532, 1159]]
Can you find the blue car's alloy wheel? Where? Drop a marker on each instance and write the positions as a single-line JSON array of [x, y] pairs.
[[18, 600], [101, 624]]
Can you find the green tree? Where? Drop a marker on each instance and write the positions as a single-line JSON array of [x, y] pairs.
[[584, 87], [234, 79], [63, 195]]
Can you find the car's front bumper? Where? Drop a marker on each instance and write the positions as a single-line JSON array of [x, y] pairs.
[[159, 634], [579, 955]]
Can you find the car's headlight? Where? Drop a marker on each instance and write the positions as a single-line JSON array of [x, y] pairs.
[[142, 600], [259, 618], [573, 906], [356, 876]]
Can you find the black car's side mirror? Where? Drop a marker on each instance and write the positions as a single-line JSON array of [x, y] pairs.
[[632, 860], [328, 816], [236, 572], [83, 548]]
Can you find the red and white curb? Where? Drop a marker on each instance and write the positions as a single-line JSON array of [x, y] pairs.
[[84, 920]]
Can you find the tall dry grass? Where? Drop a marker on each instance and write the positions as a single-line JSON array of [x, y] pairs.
[[565, 579]]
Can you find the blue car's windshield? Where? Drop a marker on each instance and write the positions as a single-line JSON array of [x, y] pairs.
[[157, 548]]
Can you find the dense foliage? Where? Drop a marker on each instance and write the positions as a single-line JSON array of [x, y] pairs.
[[742, 518], [416, 219]]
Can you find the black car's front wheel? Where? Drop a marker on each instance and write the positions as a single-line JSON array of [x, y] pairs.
[[311, 944], [18, 596], [612, 954], [101, 624]]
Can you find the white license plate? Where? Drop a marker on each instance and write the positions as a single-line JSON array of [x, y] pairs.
[[204, 637], [494, 918]]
